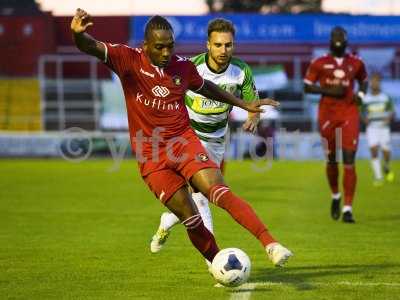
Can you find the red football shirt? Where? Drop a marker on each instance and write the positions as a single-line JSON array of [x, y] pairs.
[[154, 96], [328, 71]]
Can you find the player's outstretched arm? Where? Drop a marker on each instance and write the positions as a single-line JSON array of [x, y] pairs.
[[213, 91], [336, 91], [83, 41]]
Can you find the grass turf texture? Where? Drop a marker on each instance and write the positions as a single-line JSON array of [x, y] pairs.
[[79, 231]]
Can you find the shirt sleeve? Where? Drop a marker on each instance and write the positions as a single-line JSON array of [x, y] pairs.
[[312, 73], [195, 81], [249, 90], [119, 57], [362, 72]]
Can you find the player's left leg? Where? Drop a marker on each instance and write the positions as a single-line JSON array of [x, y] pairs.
[[385, 144], [349, 184], [205, 176], [350, 132], [210, 181], [389, 174]]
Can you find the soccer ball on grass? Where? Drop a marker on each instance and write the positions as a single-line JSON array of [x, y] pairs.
[[231, 267]]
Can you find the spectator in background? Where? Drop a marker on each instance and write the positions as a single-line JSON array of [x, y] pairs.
[[378, 112]]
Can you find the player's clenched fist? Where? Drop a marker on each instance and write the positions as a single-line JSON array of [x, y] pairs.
[[81, 21]]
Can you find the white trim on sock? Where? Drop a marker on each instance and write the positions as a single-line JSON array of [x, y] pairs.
[[347, 208], [336, 196]]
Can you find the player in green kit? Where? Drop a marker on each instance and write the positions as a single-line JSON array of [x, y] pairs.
[[378, 112], [208, 117]]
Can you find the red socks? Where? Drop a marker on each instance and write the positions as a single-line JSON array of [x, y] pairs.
[[200, 237], [332, 172], [349, 183], [241, 211]]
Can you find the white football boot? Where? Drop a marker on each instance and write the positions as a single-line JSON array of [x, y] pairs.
[[158, 240], [278, 254], [160, 237]]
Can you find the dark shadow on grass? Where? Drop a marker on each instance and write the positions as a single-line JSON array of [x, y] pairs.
[[302, 277]]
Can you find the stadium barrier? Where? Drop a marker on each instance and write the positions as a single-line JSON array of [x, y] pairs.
[[76, 145]]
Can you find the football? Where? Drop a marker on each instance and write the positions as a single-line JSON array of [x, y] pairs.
[[231, 267]]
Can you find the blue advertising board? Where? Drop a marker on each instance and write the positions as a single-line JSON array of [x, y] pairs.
[[310, 28]]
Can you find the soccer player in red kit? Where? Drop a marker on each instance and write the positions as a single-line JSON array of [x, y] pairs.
[[338, 114], [169, 153]]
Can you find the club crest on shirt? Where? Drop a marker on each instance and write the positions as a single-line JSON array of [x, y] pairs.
[[338, 73], [177, 80], [202, 157]]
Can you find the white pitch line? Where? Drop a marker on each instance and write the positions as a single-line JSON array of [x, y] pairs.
[[244, 291]]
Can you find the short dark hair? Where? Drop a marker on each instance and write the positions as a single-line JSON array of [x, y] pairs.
[[339, 29], [156, 22], [220, 25]]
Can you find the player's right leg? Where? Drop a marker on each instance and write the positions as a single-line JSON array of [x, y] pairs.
[[389, 174], [167, 221], [171, 189], [332, 173], [385, 144], [376, 165], [330, 136], [184, 208]]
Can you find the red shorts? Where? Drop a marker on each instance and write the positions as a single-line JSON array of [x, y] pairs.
[[339, 132], [176, 164]]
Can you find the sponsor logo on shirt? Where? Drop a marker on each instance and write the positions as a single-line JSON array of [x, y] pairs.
[[160, 91], [329, 66], [338, 73], [181, 58], [157, 103]]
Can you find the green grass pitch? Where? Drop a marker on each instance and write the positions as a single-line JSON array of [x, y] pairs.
[[81, 231]]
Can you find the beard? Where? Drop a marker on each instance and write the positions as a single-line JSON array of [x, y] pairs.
[[338, 49]]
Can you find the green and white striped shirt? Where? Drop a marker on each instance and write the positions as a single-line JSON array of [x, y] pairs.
[[209, 118], [377, 108]]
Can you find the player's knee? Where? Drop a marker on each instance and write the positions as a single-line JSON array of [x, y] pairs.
[[349, 157], [216, 193], [332, 158]]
